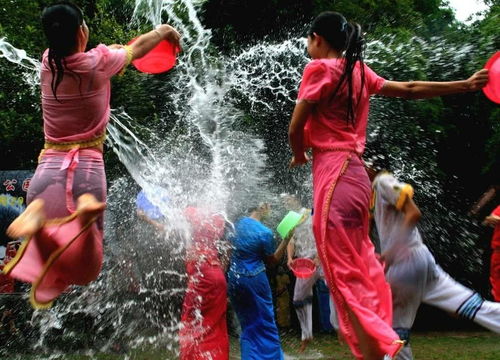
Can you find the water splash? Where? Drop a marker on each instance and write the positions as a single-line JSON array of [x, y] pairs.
[[224, 159], [19, 57]]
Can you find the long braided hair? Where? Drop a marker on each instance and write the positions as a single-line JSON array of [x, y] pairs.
[[60, 22], [345, 37]]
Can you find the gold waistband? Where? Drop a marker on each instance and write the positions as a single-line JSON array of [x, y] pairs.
[[72, 145], [76, 144]]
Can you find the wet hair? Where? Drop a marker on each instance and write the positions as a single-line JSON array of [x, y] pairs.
[[258, 207], [345, 37], [298, 197], [251, 209], [60, 23]]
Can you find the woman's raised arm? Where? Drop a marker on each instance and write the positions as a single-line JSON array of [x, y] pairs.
[[148, 41], [429, 89]]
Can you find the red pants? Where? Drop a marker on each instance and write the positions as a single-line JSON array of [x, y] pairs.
[[495, 274], [204, 337]]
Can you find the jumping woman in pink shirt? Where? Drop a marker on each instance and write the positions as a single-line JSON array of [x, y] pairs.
[[63, 223], [330, 117]]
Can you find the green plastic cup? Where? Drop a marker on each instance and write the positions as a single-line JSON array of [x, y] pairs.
[[289, 222]]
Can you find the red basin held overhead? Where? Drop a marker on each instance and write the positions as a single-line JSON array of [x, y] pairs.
[[160, 59], [492, 88]]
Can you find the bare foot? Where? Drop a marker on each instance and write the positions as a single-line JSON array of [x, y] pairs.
[[88, 208], [29, 222], [303, 345]]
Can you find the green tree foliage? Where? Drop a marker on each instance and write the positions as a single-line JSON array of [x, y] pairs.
[[465, 126]]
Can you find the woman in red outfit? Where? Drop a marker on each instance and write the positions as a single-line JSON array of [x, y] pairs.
[[331, 117], [494, 220], [203, 334]]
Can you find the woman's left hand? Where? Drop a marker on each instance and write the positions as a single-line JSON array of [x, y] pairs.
[[316, 261], [298, 161], [171, 35], [492, 220]]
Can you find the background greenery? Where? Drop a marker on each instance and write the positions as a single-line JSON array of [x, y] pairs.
[[468, 140]]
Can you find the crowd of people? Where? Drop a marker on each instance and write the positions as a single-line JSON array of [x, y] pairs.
[[63, 223]]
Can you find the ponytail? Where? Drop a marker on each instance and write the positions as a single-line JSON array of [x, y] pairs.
[[345, 38], [57, 69], [353, 54], [60, 22]]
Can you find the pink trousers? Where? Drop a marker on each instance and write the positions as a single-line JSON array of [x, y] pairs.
[[354, 275]]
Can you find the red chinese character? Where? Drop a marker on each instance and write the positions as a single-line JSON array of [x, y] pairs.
[[26, 184], [9, 185]]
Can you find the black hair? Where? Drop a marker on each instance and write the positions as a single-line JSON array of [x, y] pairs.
[[257, 207], [60, 23], [343, 36], [251, 209]]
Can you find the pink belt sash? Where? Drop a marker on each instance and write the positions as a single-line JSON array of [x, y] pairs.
[[70, 162]]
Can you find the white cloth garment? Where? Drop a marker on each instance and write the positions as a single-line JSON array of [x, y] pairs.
[[302, 302], [413, 274], [305, 247]]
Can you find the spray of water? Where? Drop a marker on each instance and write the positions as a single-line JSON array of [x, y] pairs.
[[19, 57]]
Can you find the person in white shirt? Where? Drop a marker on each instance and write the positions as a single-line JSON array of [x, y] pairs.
[[411, 269], [303, 245]]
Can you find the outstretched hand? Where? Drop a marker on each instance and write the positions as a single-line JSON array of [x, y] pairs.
[[171, 35], [478, 80]]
